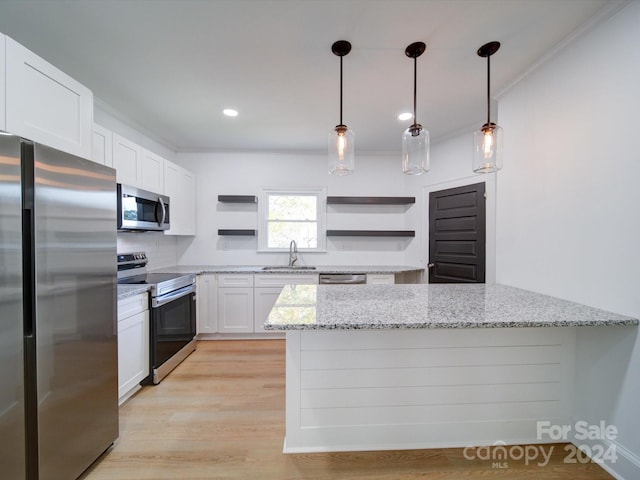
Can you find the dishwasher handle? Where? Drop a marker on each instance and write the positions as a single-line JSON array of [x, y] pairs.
[[343, 279]]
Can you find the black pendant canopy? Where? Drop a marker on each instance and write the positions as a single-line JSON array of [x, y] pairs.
[[341, 48]]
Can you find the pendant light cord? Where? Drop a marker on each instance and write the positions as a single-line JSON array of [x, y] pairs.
[[340, 90], [415, 88], [489, 90]]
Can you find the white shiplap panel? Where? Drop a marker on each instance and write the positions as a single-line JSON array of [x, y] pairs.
[[372, 390], [430, 357], [403, 414], [425, 338], [411, 377], [440, 395]]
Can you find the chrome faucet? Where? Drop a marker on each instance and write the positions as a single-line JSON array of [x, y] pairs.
[[293, 253]]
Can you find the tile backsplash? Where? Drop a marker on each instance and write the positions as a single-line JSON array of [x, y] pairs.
[[161, 249]]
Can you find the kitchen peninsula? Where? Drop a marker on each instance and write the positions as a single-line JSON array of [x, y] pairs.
[[421, 366]]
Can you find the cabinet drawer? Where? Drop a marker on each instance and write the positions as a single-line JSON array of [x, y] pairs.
[[280, 280], [132, 305], [235, 280], [381, 278]]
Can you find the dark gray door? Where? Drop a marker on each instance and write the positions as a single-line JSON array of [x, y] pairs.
[[457, 218]]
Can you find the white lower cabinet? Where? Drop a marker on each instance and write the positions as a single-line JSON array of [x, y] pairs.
[[266, 292], [235, 303], [133, 344], [381, 279], [207, 303], [264, 300]]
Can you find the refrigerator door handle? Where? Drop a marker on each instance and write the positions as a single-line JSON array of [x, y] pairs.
[[28, 284]]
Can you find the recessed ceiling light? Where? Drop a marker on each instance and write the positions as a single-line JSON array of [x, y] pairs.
[[230, 112], [405, 116]]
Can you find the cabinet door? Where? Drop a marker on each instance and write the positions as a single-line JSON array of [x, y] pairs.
[[152, 172], [265, 299], [381, 279], [127, 160], [235, 310], [207, 304], [2, 83], [180, 185], [188, 225], [133, 351], [172, 188], [102, 146], [46, 105]]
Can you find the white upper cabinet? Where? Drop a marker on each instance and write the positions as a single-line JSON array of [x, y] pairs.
[[2, 82], [127, 160], [152, 172], [180, 185], [102, 146], [44, 104]]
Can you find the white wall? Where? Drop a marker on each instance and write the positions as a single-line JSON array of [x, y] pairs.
[[239, 173], [568, 215], [160, 248]]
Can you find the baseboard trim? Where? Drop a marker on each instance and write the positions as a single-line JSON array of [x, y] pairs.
[[626, 465]]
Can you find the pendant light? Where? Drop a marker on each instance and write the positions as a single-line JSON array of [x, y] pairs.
[[487, 142], [341, 139], [415, 140]]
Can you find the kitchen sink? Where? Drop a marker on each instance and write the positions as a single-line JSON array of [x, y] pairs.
[[286, 267]]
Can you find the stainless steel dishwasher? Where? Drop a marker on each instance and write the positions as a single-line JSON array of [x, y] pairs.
[[343, 278]]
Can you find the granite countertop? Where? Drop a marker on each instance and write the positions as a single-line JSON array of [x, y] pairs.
[[352, 307], [125, 291], [200, 269]]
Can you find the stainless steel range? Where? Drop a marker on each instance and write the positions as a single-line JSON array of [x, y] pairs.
[[173, 313]]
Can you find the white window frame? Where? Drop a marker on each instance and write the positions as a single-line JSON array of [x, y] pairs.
[[263, 214]]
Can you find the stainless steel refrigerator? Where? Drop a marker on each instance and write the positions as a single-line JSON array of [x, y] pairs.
[[58, 325]]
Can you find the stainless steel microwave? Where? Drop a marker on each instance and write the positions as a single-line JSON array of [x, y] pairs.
[[142, 210]]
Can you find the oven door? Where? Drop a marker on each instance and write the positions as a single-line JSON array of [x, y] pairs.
[[173, 327]]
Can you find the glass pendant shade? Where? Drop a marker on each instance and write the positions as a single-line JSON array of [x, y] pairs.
[[415, 150], [487, 142], [415, 139], [341, 151], [487, 149]]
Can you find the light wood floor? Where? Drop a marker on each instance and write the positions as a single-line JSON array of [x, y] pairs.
[[220, 415]]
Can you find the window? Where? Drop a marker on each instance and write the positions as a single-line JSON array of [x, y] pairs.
[[292, 215]]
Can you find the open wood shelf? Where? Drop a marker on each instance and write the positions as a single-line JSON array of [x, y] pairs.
[[237, 232], [237, 198], [371, 233], [370, 200]]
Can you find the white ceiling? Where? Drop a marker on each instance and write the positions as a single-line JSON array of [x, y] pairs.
[[170, 67]]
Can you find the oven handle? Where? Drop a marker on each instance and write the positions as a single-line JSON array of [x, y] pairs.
[[170, 297]]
